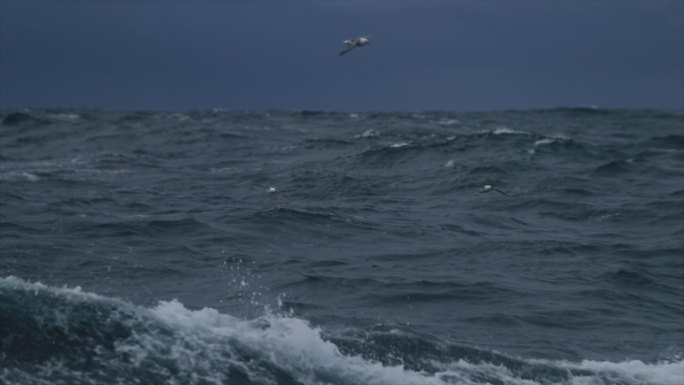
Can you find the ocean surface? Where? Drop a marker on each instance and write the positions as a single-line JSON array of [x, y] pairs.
[[319, 248]]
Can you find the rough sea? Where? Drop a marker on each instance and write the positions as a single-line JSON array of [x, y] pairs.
[[320, 248]]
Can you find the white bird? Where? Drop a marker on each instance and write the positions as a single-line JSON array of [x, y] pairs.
[[355, 42], [487, 188]]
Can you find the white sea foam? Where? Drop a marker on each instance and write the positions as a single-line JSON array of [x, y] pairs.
[[551, 140], [448, 122], [200, 343], [628, 372], [371, 133], [508, 131], [66, 117], [71, 292], [294, 345], [18, 177], [180, 117], [399, 144], [544, 141], [291, 344]]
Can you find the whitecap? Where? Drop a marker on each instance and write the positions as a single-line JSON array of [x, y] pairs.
[[551, 140], [179, 117], [68, 117], [371, 133], [291, 344], [198, 344], [630, 372], [19, 176], [544, 141], [399, 144], [448, 122], [507, 131]]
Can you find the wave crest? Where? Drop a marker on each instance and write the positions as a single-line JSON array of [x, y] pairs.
[[52, 335]]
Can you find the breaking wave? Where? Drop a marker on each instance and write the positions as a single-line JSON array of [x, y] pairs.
[[66, 335]]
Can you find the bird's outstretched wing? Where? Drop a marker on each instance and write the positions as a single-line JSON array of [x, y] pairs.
[[351, 47]]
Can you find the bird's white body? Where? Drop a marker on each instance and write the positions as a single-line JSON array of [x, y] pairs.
[[358, 42]]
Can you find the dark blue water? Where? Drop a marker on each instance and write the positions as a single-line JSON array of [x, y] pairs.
[[216, 247]]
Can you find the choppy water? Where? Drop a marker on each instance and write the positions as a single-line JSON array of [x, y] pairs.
[[217, 247]]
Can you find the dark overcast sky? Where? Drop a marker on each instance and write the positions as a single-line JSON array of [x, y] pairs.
[[424, 55]]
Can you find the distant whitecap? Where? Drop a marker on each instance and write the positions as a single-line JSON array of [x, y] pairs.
[[448, 122], [371, 133], [399, 144], [508, 131], [544, 141]]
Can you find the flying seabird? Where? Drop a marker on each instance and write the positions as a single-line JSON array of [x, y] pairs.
[[355, 42], [487, 188]]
